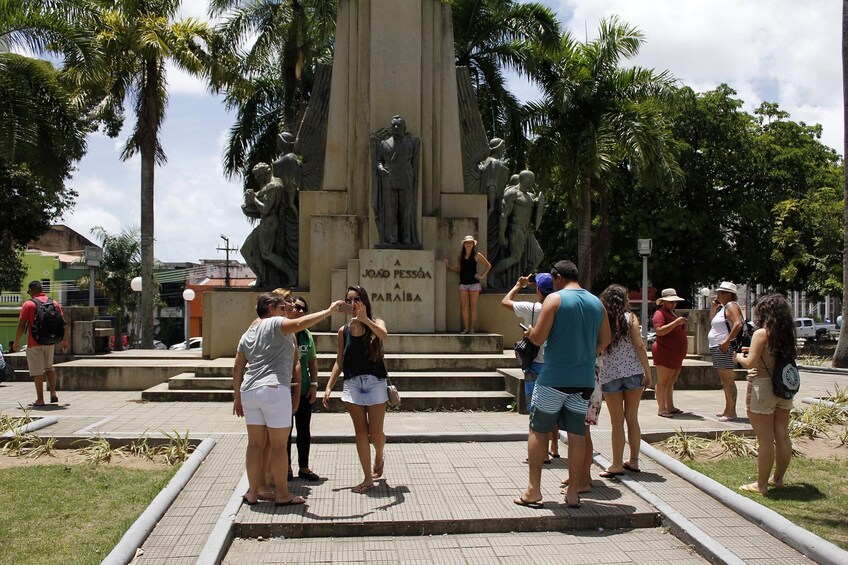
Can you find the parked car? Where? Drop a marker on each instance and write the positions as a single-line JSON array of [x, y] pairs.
[[807, 328], [156, 345], [193, 343]]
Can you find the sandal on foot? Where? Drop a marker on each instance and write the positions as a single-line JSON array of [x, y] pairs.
[[631, 468], [363, 488], [249, 503], [537, 505], [308, 475], [752, 488], [665, 415], [54, 400], [573, 505], [676, 411], [610, 474], [554, 455], [294, 500], [727, 419], [38, 404], [378, 471]]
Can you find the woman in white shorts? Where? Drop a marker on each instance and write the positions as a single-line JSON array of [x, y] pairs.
[[768, 413], [262, 377], [359, 353]]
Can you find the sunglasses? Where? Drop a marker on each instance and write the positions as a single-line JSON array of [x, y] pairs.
[[351, 300], [299, 308]]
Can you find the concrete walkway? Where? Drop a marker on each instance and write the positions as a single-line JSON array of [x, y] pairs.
[[427, 485]]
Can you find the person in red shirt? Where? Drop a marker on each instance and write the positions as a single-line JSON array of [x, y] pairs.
[[39, 357]]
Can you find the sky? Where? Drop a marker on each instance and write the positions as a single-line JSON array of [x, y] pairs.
[[782, 51]]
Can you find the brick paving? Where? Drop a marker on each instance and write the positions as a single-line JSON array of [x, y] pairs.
[[483, 477]]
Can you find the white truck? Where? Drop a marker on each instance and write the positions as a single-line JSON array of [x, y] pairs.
[[807, 328]]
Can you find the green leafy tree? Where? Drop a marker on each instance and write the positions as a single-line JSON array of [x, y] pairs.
[[42, 125], [593, 117], [494, 36], [268, 83], [137, 38]]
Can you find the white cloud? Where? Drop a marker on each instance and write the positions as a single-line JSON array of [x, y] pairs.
[[780, 51]]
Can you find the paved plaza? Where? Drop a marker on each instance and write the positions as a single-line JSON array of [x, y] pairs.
[[443, 499]]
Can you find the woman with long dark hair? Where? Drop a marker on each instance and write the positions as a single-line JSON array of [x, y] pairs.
[[469, 281], [769, 414], [359, 354], [624, 374]]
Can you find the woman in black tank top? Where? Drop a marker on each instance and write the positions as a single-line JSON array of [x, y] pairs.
[[469, 281], [359, 354]]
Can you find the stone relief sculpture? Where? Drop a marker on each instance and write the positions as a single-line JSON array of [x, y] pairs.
[[520, 218], [311, 142], [261, 249], [395, 194]]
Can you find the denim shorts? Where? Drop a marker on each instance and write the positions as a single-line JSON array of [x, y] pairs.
[[365, 390], [623, 385]]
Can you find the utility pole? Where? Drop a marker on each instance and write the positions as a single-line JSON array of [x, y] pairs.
[[227, 250]]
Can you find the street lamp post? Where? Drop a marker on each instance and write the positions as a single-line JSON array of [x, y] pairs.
[[135, 285], [188, 296], [704, 292], [644, 246]]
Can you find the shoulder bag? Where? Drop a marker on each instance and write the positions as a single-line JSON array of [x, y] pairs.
[[526, 350]]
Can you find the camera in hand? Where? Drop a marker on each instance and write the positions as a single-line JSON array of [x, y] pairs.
[[346, 308]]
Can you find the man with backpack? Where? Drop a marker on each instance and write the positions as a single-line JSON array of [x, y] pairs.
[[44, 319]]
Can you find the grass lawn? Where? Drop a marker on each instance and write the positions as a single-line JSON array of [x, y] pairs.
[[71, 514], [815, 496]]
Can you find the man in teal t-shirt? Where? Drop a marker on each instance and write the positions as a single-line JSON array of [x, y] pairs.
[[575, 325]]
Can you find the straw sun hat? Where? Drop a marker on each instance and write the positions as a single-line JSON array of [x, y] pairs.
[[669, 295]]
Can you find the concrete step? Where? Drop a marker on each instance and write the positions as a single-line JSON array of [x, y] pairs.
[[325, 342], [411, 381], [395, 363], [492, 401]]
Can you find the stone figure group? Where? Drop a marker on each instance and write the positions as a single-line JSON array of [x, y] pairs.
[[271, 249], [514, 209]]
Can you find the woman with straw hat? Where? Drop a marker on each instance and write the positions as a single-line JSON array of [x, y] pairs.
[[725, 325], [469, 281], [668, 350]]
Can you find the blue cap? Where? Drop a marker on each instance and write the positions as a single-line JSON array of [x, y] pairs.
[[545, 283]]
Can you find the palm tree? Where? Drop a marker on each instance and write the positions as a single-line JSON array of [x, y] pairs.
[[269, 83], [137, 37], [595, 117], [840, 356], [120, 264], [491, 36]]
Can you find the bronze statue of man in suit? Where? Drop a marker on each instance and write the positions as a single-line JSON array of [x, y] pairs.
[[395, 205]]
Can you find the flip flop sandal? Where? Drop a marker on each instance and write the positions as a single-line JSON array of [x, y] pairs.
[[631, 468], [610, 474], [676, 411], [665, 415], [537, 505], [293, 501]]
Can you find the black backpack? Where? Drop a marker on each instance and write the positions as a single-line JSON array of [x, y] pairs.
[[785, 380], [48, 326]]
